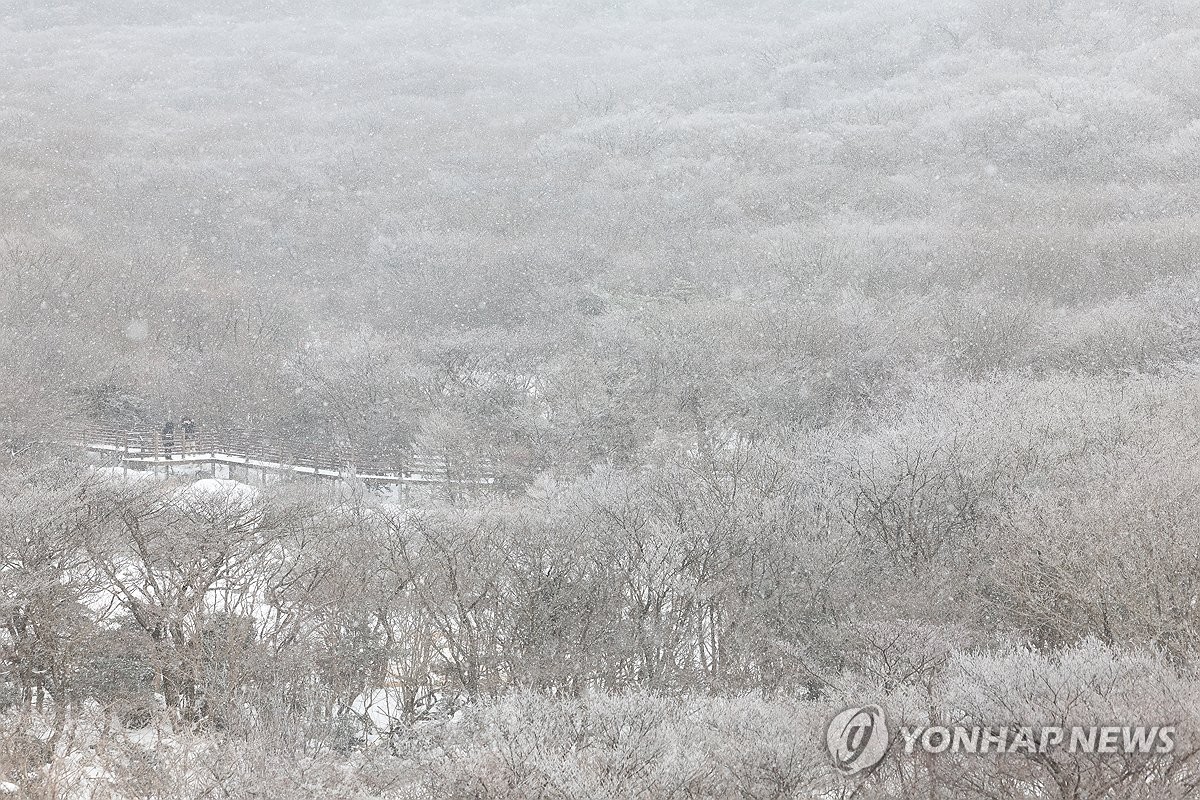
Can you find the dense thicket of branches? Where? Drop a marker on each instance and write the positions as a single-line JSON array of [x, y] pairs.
[[859, 560]]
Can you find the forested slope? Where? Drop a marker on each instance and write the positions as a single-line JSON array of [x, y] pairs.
[[365, 222]]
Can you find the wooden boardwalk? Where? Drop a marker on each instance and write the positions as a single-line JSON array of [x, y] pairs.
[[247, 453]]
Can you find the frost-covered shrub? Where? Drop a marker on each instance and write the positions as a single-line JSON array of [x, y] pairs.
[[631, 745], [1087, 685]]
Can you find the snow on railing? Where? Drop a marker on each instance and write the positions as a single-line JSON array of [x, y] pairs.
[[254, 449]]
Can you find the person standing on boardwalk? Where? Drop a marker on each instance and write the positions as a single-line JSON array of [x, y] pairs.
[[168, 438], [189, 434]]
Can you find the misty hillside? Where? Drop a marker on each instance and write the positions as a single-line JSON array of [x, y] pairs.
[[831, 196]]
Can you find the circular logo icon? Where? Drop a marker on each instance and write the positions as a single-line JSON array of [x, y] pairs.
[[857, 738]]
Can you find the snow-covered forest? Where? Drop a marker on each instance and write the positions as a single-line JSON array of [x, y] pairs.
[[820, 353]]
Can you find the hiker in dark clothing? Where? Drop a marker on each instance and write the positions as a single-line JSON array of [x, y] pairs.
[[189, 434], [168, 438]]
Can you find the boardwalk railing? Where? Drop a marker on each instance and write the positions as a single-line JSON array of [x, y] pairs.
[[240, 448]]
